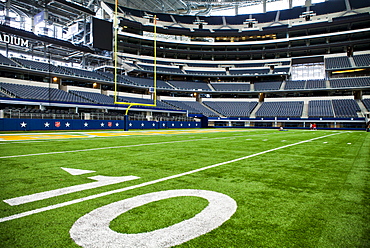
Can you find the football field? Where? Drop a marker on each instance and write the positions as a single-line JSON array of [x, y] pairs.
[[185, 188]]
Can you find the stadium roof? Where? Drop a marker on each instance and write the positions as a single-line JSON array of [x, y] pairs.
[[198, 7]]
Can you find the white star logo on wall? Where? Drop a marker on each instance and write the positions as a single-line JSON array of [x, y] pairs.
[[23, 124], [117, 124], [130, 124], [102, 124], [86, 124], [47, 124], [68, 124]]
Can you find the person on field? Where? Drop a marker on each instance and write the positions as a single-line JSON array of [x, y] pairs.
[[314, 126]]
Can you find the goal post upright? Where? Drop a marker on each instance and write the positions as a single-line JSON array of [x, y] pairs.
[[115, 55]]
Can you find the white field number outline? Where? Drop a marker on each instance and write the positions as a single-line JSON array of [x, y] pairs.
[[92, 229], [82, 228]]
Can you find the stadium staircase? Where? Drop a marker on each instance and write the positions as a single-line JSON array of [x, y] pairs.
[[327, 82], [211, 109], [362, 107], [211, 87], [305, 110], [352, 62], [251, 87], [282, 86], [332, 107], [253, 113]]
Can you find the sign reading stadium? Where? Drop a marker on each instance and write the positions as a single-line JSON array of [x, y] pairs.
[[13, 40]]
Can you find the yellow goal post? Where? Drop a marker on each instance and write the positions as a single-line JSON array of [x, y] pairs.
[[115, 56]]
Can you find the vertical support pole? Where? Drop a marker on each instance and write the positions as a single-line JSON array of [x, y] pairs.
[[125, 123]]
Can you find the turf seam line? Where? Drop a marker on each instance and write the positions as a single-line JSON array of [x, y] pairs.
[[63, 204]]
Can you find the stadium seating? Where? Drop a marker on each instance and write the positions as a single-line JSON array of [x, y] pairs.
[[190, 85], [249, 71], [40, 93], [362, 60], [262, 86], [159, 104], [192, 107], [3, 94], [164, 70], [84, 73], [147, 82], [94, 97], [366, 102], [320, 108], [293, 85], [231, 86], [206, 73], [5, 61], [316, 84], [344, 108], [41, 66], [350, 82], [337, 63], [280, 109], [232, 109]]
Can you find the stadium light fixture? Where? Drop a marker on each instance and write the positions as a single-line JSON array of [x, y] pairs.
[[250, 22], [307, 15]]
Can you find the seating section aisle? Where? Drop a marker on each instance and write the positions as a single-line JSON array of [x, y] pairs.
[[192, 107], [231, 86], [280, 109], [320, 108], [345, 108], [40, 93], [233, 109]]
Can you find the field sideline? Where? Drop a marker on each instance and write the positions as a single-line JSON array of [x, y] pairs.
[[185, 188]]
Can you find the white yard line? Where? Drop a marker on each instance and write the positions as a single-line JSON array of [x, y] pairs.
[[39, 210]]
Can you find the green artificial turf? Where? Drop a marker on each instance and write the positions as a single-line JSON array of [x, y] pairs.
[[312, 194]]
